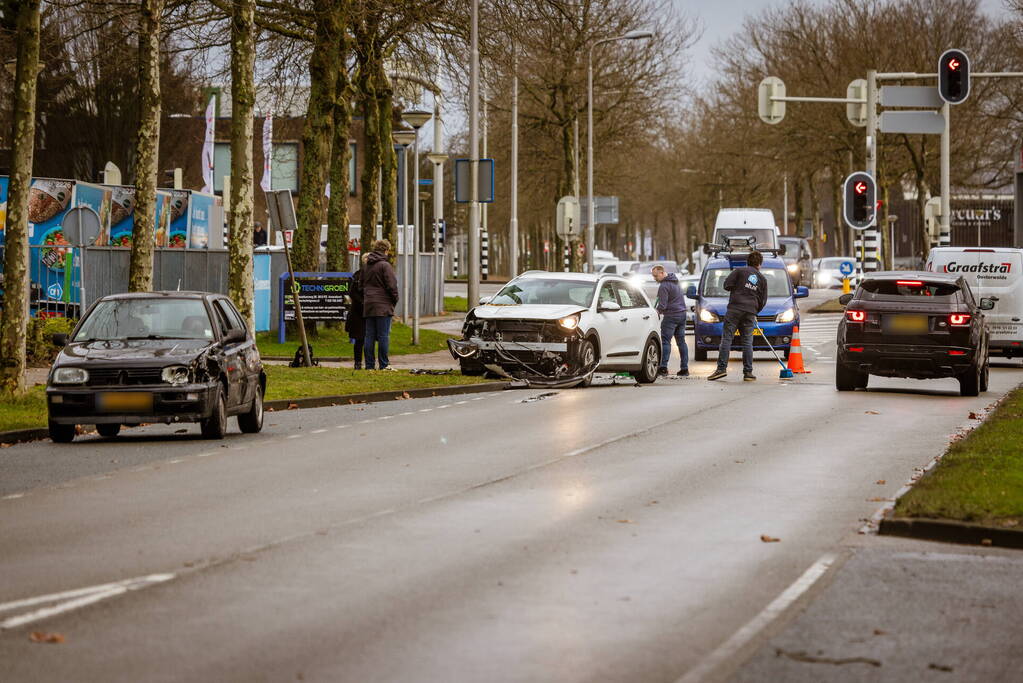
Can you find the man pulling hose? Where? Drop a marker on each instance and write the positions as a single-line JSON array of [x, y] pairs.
[[747, 295]]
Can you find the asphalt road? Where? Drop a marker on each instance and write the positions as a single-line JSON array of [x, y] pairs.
[[602, 534]]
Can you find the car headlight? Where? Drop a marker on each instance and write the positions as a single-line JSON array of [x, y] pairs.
[[792, 268], [175, 374], [786, 316], [708, 316], [569, 323], [70, 376]]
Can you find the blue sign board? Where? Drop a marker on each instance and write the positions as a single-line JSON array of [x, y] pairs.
[[846, 268]]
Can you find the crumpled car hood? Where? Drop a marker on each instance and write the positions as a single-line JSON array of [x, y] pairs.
[[134, 350], [526, 311]]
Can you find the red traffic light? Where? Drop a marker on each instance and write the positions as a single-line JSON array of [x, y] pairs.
[[954, 64], [860, 187]]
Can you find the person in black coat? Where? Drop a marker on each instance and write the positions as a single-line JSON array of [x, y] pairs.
[[379, 295], [355, 325]]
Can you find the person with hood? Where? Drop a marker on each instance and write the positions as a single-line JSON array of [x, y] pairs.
[[747, 295], [380, 296], [355, 325], [671, 306]]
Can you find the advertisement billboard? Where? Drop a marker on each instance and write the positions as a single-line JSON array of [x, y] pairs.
[[200, 214], [122, 215]]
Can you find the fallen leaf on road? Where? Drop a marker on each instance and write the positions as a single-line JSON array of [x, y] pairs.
[[985, 541], [879, 632], [769, 539], [625, 521], [880, 482], [43, 637], [739, 462], [5, 445], [292, 406], [872, 412], [269, 410], [878, 500], [940, 667], [974, 416]]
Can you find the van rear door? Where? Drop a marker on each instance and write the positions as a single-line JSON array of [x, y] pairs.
[[991, 272]]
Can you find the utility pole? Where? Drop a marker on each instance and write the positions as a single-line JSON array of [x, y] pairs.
[[513, 255], [474, 166], [945, 231]]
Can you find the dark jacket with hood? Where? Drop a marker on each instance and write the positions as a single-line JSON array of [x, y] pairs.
[[379, 286], [747, 290], [671, 301], [355, 325]]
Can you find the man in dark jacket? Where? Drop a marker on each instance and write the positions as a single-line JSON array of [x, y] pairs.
[[671, 306], [355, 325], [747, 294], [380, 295]]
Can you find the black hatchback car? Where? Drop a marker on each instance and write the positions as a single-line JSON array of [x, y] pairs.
[[913, 324], [156, 357]]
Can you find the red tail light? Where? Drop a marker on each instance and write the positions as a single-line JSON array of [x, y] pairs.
[[856, 316], [856, 349], [909, 283], [957, 353], [959, 319]]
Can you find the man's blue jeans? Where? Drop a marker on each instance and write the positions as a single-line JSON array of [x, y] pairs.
[[378, 331], [674, 326], [744, 322]]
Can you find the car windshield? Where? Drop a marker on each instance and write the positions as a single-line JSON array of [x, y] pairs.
[[763, 236], [164, 318], [893, 290], [777, 282], [646, 268], [545, 291]]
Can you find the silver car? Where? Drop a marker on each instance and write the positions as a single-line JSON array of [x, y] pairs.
[[826, 273]]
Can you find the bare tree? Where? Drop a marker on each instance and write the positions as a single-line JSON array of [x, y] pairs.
[[243, 97]]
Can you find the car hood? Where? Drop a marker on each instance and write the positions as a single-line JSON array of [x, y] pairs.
[[527, 311], [774, 305], [133, 351]]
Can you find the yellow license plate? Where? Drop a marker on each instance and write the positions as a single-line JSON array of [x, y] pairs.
[[757, 332], [909, 324], [124, 401]]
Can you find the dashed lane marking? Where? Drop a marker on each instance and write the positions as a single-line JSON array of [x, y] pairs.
[[13, 496], [319, 431]]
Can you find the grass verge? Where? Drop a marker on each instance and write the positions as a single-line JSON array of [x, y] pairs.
[[333, 343], [456, 304], [831, 306], [29, 411], [980, 478]]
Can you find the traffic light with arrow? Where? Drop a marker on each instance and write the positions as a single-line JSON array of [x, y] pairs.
[[860, 200]]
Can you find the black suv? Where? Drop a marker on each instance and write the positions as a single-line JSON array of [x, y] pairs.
[[156, 357], [913, 324]]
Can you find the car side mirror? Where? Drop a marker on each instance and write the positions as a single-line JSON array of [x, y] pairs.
[[845, 299], [234, 336], [782, 249], [608, 307], [691, 292], [485, 300], [802, 292], [60, 339], [985, 304]]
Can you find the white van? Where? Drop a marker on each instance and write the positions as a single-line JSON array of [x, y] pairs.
[[756, 223], [993, 273]]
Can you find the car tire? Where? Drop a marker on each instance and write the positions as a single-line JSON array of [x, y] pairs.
[[651, 361], [969, 382], [984, 378], [108, 431], [699, 354], [61, 433], [862, 380], [252, 421], [587, 355], [215, 426], [847, 379]]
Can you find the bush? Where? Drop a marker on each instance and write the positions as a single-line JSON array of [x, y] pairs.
[[41, 350]]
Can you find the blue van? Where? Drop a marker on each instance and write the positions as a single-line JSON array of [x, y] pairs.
[[779, 316]]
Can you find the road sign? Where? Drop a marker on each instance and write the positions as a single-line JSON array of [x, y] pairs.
[[55, 291], [605, 211], [954, 76], [81, 226], [771, 111], [912, 122], [856, 112], [568, 223], [910, 96], [463, 177], [860, 194], [846, 268]]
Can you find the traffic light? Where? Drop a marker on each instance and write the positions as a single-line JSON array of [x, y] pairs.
[[954, 76], [860, 200]]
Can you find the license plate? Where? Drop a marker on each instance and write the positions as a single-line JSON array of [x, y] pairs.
[[124, 401], [757, 332], [907, 324], [1003, 328]]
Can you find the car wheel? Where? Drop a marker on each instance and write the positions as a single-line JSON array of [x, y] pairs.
[[215, 426], [969, 382], [984, 377], [587, 357], [847, 379], [252, 421], [651, 361], [108, 431], [62, 433], [700, 354], [862, 380]]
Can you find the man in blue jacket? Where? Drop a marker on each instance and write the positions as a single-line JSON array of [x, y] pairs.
[[671, 305]]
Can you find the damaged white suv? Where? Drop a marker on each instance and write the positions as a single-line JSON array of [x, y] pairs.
[[557, 329]]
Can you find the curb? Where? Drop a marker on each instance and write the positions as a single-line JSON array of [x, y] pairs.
[[23, 435], [381, 396], [949, 531]]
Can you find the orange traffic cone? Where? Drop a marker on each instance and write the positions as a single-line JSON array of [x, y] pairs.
[[796, 354]]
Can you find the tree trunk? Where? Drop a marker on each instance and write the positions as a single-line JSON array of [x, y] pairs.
[[147, 148], [389, 161], [371, 158], [14, 317], [243, 98], [324, 65], [340, 156]]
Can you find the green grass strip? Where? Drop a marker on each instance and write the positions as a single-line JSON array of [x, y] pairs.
[[333, 343]]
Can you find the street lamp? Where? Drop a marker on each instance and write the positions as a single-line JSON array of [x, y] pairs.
[[438, 159], [404, 138], [416, 119], [591, 232]]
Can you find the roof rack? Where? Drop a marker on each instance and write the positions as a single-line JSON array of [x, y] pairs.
[[737, 245]]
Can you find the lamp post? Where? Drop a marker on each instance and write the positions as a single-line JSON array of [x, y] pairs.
[[473, 289], [404, 138], [591, 231], [416, 119], [513, 256], [438, 159]]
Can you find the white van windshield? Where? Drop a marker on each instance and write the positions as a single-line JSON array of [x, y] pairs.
[[763, 236]]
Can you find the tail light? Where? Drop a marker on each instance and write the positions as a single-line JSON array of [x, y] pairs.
[[909, 283], [856, 316], [957, 353], [856, 349], [959, 319]]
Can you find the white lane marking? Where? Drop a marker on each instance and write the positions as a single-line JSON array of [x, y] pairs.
[[362, 422], [385, 417], [727, 651], [408, 413], [74, 599], [448, 405], [175, 462], [458, 403], [296, 436], [319, 431], [13, 496], [341, 427], [206, 455], [426, 410]]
